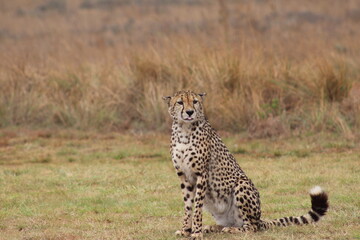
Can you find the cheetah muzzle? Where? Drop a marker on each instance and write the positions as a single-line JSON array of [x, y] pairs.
[[211, 178]]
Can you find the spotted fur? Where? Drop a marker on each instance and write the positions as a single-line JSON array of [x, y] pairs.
[[212, 179]]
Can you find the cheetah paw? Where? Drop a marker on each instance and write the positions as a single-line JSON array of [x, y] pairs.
[[196, 236], [212, 228], [182, 233], [207, 229], [231, 230]]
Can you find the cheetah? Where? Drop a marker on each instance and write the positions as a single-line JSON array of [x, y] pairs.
[[212, 179]]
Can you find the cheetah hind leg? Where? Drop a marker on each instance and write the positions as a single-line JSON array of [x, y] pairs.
[[232, 230], [243, 229], [212, 228]]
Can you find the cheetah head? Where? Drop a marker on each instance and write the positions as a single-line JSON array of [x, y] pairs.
[[186, 106]]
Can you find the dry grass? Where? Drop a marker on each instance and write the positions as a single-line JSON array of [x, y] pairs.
[[83, 185], [92, 64]]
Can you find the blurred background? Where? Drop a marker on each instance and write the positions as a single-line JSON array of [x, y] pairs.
[[270, 68]]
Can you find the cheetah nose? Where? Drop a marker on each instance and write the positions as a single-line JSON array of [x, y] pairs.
[[190, 112]]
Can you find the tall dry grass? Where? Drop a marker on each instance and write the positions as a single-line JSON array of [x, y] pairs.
[[271, 68]]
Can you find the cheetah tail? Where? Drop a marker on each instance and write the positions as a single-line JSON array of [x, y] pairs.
[[319, 207]]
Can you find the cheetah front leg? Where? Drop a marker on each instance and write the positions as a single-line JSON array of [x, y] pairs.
[[201, 185], [188, 193]]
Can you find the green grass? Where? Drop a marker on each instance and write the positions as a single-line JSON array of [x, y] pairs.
[[112, 186]]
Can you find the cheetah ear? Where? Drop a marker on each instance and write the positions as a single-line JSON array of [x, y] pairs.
[[202, 95], [167, 99]]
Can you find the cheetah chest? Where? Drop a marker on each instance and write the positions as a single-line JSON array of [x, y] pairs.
[[182, 159]]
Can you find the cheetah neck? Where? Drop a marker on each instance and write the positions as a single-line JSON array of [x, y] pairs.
[[181, 132], [186, 128]]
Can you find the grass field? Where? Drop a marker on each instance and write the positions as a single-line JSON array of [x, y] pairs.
[[83, 128], [83, 185]]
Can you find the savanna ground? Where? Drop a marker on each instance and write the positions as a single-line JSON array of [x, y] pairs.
[[282, 76], [82, 185]]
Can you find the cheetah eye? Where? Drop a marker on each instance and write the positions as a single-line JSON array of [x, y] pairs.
[[180, 102], [195, 101]]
